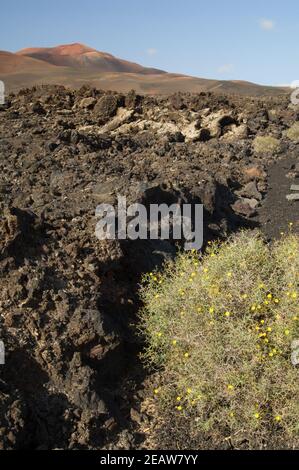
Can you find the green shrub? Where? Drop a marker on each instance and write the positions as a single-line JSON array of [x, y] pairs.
[[220, 328], [293, 132], [266, 144]]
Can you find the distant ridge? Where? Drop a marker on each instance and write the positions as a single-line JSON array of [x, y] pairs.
[[76, 64]]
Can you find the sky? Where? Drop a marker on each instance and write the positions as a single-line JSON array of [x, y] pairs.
[[252, 40]]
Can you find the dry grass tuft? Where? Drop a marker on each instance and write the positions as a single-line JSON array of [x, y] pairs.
[[266, 144], [293, 132]]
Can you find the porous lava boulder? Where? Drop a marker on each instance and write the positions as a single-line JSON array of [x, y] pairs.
[[106, 107]]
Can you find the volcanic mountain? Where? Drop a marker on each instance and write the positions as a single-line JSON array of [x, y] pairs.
[[78, 56], [76, 64]]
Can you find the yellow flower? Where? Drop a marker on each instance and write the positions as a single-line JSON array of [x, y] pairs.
[[245, 296], [179, 408], [269, 328], [278, 418], [159, 335], [253, 308], [174, 342], [230, 387], [232, 414], [156, 391], [229, 274], [294, 295], [186, 355], [262, 286], [212, 310], [257, 415], [227, 314], [269, 296], [287, 332], [189, 391], [178, 398]]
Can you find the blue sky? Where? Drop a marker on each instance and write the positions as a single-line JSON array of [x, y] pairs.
[[254, 40]]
